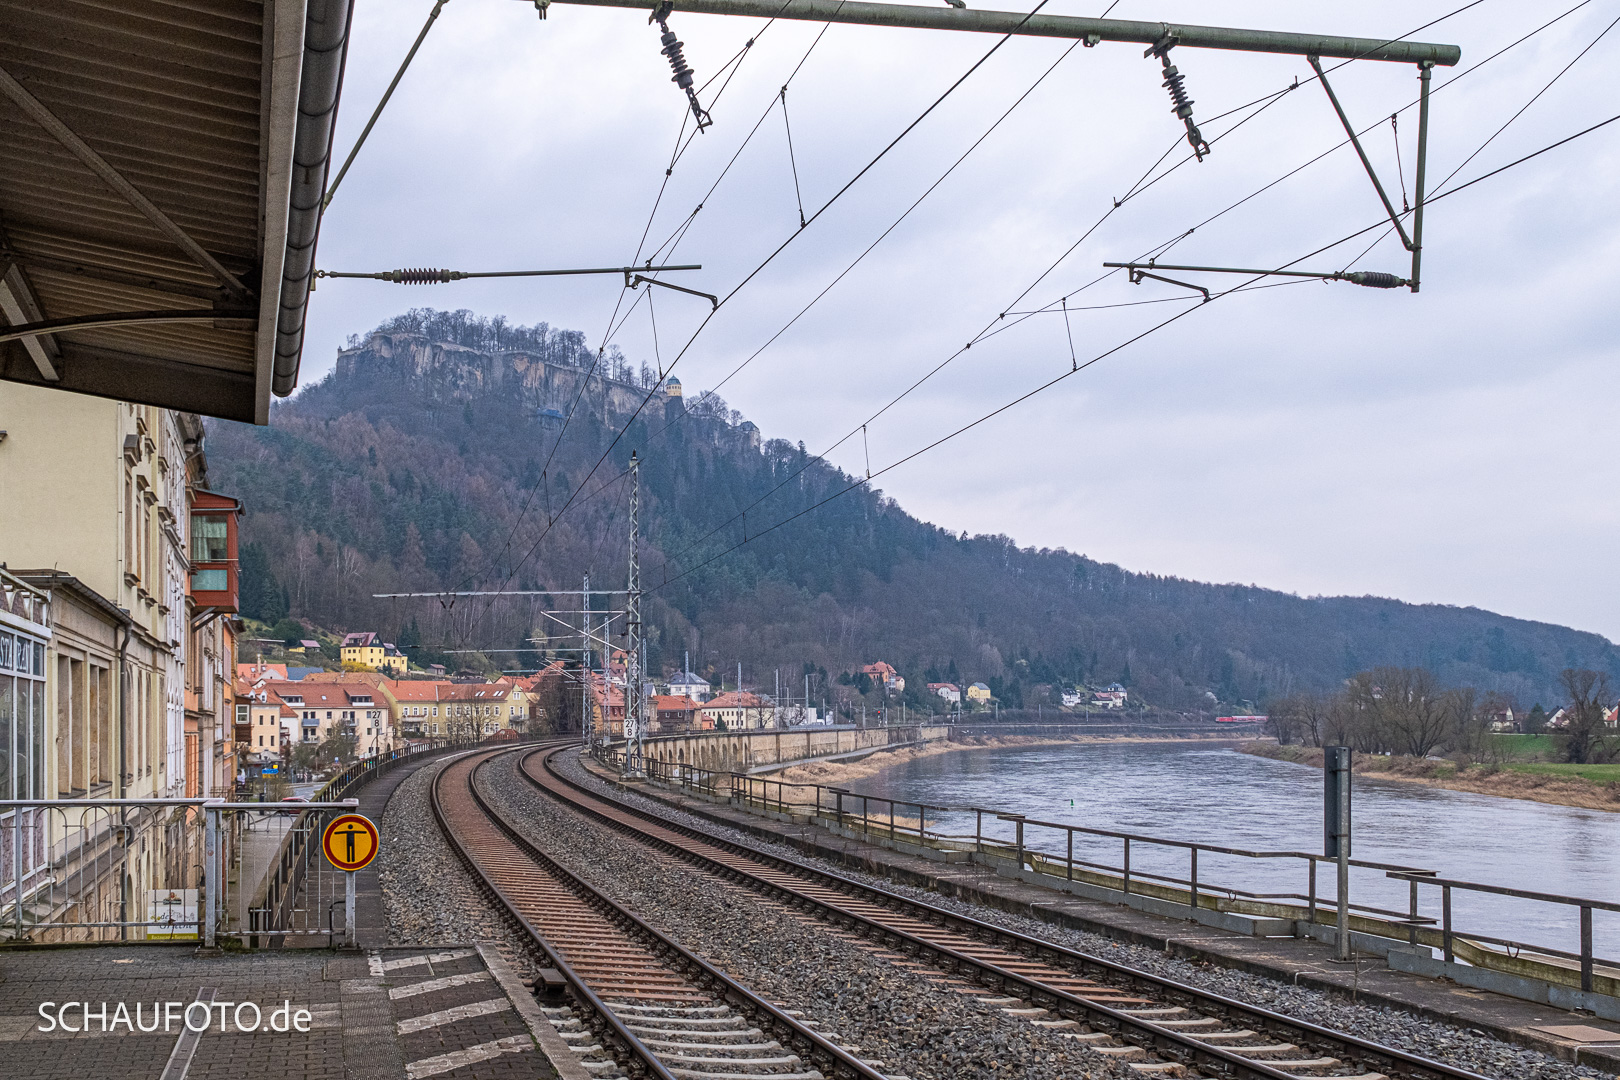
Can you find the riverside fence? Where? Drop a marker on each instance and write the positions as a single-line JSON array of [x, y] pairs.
[[1409, 914]]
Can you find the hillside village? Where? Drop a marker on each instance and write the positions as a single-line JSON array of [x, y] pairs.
[[294, 719]]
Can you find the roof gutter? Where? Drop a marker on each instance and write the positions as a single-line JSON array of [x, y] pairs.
[[326, 47]]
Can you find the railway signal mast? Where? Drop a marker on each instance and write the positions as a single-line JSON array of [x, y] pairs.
[[635, 713]]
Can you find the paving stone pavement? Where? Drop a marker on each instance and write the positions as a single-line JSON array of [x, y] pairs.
[[469, 1022]]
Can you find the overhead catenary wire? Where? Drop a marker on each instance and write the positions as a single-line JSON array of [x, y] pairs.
[[886, 232], [754, 273], [1332, 149], [1533, 99], [769, 258], [613, 319], [1043, 387], [1135, 190]]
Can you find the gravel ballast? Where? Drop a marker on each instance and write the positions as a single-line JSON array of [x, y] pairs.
[[907, 1021], [1457, 1046], [429, 897]]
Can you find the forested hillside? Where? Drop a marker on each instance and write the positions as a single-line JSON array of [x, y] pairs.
[[435, 458]]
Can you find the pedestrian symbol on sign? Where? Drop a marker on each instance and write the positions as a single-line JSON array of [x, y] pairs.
[[350, 842]]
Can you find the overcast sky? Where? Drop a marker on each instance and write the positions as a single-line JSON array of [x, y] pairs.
[[1457, 446]]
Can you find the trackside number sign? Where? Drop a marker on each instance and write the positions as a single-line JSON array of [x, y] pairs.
[[350, 841]]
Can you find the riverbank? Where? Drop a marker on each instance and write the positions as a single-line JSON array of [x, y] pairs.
[[1504, 781], [845, 772]]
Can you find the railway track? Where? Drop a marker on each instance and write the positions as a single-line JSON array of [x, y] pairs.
[[632, 1002], [1156, 1025]]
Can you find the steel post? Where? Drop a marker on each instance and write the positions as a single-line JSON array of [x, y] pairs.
[[1194, 889], [1586, 949], [1342, 942], [207, 911], [1127, 866], [1336, 837], [1018, 824], [348, 909], [1425, 70], [1445, 921], [1069, 858], [1311, 895], [1063, 26], [1412, 916], [16, 868]]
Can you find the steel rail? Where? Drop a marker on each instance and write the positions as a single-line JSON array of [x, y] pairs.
[[1210, 1004], [1090, 31], [817, 1049], [625, 1040]]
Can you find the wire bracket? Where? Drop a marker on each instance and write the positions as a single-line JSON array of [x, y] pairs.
[[639, 278], [677, 61], [1372, 279], [1180, 103], [1137, 275]]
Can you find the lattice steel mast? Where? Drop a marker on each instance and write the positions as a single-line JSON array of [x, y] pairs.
[[635, 720]]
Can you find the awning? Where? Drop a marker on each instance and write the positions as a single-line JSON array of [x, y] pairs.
[[160, 194]]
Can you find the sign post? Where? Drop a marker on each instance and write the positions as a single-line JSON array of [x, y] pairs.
[[350, 842], [1336, 835]]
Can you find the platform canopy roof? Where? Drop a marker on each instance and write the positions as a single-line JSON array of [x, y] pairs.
[[160, 189]]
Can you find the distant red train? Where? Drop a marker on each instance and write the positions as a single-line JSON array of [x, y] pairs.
[[1241, 719]]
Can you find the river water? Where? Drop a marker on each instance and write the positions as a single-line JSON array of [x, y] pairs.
[[1196, 792]]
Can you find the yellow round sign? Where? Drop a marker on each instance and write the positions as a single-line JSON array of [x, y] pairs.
[[350, 841]]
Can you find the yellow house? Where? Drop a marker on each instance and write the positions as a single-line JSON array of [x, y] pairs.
[[369, 650], [978, 692]]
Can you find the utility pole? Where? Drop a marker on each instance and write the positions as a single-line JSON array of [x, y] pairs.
[[635, 726], [585, 664], [1336, 839]]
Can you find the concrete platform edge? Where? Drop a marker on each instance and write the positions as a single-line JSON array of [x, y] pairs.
[[545, 1036]]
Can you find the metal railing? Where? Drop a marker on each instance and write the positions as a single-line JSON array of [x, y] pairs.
[[286, 889], [1174, 871], [100, 869], [88, 870]]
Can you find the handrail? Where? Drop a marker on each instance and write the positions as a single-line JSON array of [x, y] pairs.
[[879, 816], [1503, 890]]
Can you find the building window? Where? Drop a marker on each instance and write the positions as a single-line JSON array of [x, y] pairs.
[[22, 717], [208, 532], [210, 581]]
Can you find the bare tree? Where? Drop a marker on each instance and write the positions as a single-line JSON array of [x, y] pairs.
[[1305, 718], [1470, 733], [1285, 719], [1409, 713], [1584, 739]]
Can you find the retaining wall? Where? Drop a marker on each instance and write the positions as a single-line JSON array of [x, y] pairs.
[[744, 751]]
